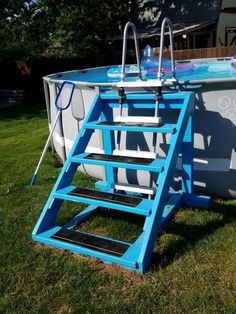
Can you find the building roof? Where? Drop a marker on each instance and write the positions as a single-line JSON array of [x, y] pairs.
[[185, 14]]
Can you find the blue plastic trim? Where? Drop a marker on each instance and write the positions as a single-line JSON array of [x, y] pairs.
[[59, 94], [33, 179]]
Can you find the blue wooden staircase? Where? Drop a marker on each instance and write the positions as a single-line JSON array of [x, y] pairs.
[[156, 209]]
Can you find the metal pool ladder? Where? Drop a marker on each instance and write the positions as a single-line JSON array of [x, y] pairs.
[[155, 85], [150, 83], [124, 50], [166, 22]]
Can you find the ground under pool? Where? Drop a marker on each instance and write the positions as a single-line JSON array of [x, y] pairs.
[[215, 123]]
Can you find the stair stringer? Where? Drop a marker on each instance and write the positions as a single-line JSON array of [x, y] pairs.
[[153, 223]]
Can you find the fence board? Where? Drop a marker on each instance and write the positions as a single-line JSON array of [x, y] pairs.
[[215, 52]]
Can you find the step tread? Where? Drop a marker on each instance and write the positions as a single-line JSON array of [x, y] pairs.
[[132, 126], [93, 242], [123, 159], [106, 196], [135, 205], [130, 162]]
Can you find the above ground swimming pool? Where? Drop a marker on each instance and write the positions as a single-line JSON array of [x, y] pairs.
[[215, 122]]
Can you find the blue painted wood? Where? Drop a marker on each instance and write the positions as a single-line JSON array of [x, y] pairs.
[[108, 146], [166, 128], [101, 186], [158, 211], [144, 208], [45, 238], [170, 208], [143, 104], [187, 158], [156, 166], [153, 222], [145, 101], [194, 200], [145, 96], [81, 216]]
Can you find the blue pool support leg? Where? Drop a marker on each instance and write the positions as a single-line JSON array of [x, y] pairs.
[[189, 198]]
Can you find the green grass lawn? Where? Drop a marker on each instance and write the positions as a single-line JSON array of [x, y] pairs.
[[194, 263]]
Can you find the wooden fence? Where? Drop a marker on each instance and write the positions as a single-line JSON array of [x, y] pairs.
[[203, 53]]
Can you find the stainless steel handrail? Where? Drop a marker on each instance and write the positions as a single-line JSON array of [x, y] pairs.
[[124, 51], [166, 22]]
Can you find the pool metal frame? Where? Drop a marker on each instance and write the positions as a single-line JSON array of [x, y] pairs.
[[202, 88]]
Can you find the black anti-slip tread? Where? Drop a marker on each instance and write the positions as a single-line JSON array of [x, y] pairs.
[[144, 124], [91, 242], [106, 197], [123, 159]]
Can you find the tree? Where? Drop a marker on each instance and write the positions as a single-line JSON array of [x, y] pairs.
[[83, 28], [28, 28], [24, 29]]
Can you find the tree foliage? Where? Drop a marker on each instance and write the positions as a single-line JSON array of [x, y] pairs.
[[58, 27], [22, 29]]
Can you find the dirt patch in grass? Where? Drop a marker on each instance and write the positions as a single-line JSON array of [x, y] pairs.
[[108, 269], [115, 270], [60, 252]]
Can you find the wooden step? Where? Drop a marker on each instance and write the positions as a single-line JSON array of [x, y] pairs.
[[106, 197], [120, 161], [131, 126], [90, 241], [123, 159], [121, 202]]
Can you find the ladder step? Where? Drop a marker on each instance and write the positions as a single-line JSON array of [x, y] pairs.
[[90, 241], [125, 159], [106, 196], [119, 161], [130, 204], [131, 126]]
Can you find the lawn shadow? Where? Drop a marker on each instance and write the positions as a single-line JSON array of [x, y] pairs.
[[191, 234]]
